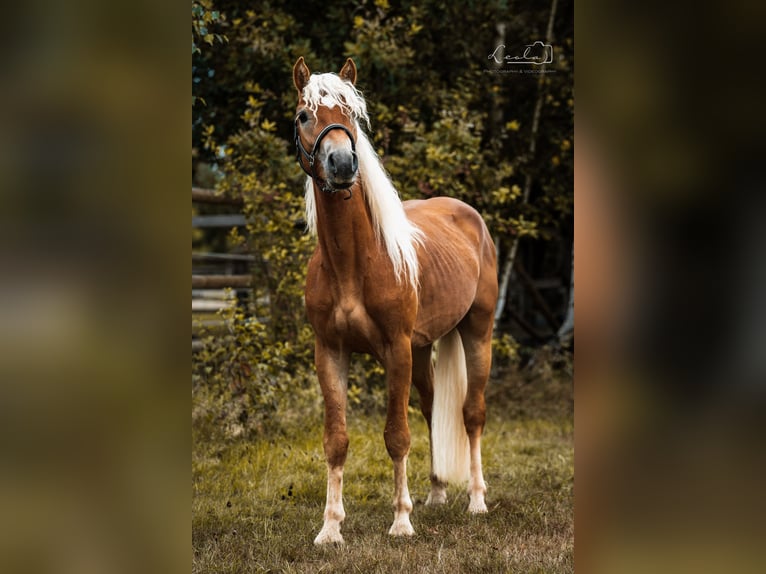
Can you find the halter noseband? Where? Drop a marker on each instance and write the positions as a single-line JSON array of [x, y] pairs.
[[324, 185]]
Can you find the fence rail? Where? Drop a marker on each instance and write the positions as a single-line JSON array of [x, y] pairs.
[[200, 256], [221, 281], [225, 220], [202, 195]]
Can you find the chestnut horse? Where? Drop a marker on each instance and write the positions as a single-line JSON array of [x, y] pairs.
[[392, 279]]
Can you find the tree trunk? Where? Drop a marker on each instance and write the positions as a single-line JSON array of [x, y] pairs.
[[566, 331]]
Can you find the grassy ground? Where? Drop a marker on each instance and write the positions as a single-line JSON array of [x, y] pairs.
[[257, 504]]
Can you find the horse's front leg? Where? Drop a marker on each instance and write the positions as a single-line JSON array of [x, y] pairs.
[[398, 363], [332, 371]]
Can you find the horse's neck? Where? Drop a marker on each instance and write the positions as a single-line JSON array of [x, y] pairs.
[[345, 234]]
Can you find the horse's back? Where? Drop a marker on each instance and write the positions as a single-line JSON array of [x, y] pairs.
[[453, 230], [457, 264], [446, 214]]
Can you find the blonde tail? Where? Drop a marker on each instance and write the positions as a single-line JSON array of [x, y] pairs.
[[450, 452]]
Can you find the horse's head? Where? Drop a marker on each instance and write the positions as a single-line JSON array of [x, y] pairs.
[[325, 129]]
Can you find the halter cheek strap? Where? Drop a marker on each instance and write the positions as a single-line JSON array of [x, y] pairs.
[[301, 152]]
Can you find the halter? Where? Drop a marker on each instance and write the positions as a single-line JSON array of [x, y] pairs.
[[324, 185]]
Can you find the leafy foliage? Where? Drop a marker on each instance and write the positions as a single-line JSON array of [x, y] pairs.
[[243, 376], [203, 18]]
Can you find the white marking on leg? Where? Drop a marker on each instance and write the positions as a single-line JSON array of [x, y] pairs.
[[333, 512], [402, 502], [477, 488]]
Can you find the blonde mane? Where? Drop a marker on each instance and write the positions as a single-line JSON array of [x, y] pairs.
[[397, 233]]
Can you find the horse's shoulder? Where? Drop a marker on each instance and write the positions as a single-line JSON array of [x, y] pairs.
[[316, 291]]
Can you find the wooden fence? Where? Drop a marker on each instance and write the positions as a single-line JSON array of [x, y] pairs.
[[214, 272]]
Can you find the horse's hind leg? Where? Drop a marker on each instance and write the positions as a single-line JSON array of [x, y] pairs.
[[476, 333], [423, 379], [332, 371]]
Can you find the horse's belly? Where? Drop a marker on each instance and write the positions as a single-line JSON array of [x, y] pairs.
[[438, 318]]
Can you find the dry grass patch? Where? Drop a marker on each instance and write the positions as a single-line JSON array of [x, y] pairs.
[[257, 504]]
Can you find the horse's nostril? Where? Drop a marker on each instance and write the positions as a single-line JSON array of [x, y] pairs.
[[331, 161]]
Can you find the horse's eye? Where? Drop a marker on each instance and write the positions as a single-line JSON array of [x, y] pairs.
[[303, 117]]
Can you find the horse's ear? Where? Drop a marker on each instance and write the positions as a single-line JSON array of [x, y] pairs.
[[301, 75], [348, 71]]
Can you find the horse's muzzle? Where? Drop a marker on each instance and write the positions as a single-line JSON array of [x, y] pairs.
[[342, 166]]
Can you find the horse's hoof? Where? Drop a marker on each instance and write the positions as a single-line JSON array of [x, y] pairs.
[[328, 537], [401, 529], [478, 507], [436, 498]]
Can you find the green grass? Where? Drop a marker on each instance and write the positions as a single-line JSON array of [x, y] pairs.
[[257, 504]]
